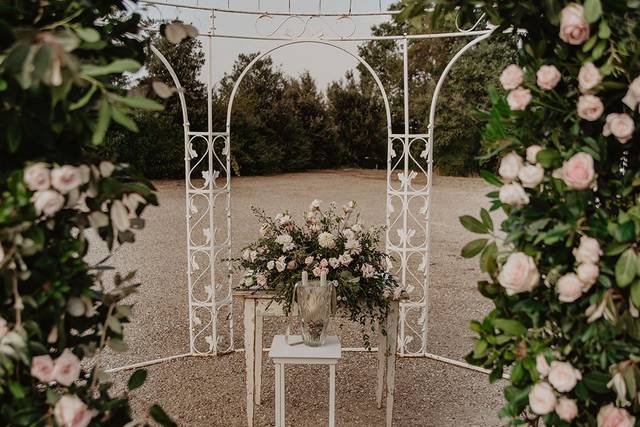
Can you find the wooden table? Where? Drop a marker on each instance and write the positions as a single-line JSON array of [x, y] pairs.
[[260, 304]]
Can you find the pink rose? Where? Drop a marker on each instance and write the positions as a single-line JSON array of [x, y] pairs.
[[367, 270], [578, 172], [519, 99], [510, 166], [48, 202], [70, 411], [334, 263], [610, 416], [590, 107], [37, 177], [548, 77], [324, 263], [513, 194], [567, 409], [261, 279], [66, 178], [531, 176], [632, 98], [569, 288], [574, 28], [588, 77], [519, 274], [588, 251], [309, 260], [542, 366], [619, 125], [42, 368], [511, 77], [542, 399], [532, 153], [563, 376], [588, 274], [66, 368]]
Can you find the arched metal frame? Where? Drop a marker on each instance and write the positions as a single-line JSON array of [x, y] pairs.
[[208, 186]]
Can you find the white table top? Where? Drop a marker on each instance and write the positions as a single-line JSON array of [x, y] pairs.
[[281, 350]]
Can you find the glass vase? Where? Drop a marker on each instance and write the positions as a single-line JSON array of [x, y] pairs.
[[314, 305]]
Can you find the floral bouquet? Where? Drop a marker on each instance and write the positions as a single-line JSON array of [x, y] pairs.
[[330, 241]]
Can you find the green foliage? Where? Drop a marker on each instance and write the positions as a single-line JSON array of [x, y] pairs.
[[560, 233], [58, 62]]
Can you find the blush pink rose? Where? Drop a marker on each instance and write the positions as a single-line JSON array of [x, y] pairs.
[[531, 176], [574, 28], [37, 177], [548, 77], [70, 411], [632, 98], [588, 274], [513, 194], [590, 107], [567, 409], [519, 274], [542, 399], [542, 366], [589, 251], [48, 202], [42, 368], [588, 77], [569, 288], [619, 125], [578, 172], [610, 416], [309, 260], [66, 368], [563, 376], [511, 77], [66, 178], [532, 153], [519, 99], [510, 166]]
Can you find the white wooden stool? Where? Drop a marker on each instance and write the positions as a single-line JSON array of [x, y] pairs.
[[282, 354]]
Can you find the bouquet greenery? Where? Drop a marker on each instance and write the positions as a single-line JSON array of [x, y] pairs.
[[329, 241]]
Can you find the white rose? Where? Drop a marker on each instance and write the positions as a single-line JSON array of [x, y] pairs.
[[531, 176], [132, 201], [542, 366], [510, 165], [532, 153], [286, 241], [271, 265], [548, 77], [37, 177], [511, 77], [106, 168], [315, 204], [567, 409], [588, 252], [519, 274], [619, 125], [519, 99], [563, 376], [353, 246], [357, 227], [75, 307], [574, 28], [513, 194], [569, 287], [120, 216], [281, 264], [326, 240], [309, 260], [42, 368], [588, 274], [610, 416], [66, 178], [48, 202], [588, 77], [70, 411], [632, 98], [345, 259], [66, 368], [4, 328], [246, 255], [542, 399], [578, 172], [333, 262], [590, 107], [367, 270]]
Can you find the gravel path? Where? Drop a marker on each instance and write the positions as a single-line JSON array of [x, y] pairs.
[[210, 391]]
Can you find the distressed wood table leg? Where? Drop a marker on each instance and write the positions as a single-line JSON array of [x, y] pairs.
[[278, 396], [258, 358], [249, 354], [332, 395], [382, 361], [392, 341]]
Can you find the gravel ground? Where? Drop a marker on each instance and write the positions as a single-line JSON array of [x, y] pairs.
[[210, 391]]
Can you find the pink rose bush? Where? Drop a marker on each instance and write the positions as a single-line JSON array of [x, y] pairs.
[[330, 241], [563, 267]]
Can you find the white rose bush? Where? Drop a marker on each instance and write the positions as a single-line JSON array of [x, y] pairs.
[[563, 268], [58, 312], [332, 241]]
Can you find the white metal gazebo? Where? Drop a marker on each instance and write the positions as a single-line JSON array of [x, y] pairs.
[[208, 168]]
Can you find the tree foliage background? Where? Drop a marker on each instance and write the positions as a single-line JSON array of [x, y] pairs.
[[282, 123]]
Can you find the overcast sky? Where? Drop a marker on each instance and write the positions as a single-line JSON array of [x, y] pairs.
[[324, 62]]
